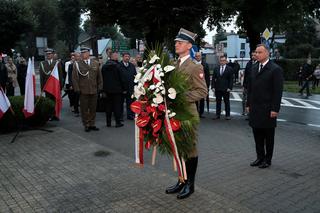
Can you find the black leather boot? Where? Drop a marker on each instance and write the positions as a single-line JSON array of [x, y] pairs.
[[188, 189], [175, 188]]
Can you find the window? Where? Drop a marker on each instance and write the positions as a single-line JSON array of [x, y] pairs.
[[225, 45], [243, 46]]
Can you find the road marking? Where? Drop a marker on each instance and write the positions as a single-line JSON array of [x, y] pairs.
[[305, 104], [284, 102], [236, 96]]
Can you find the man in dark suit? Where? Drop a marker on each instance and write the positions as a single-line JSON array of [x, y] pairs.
[[265, 87], [247, 72], [129, 71], [307, 73], [113, 86], [198, 60], [221, 84], [3, 74]]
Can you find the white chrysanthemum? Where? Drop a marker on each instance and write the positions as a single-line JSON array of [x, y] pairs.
[[172, 114], [172, 93], [158, 99], [154, 59], [168, 68], [152, 87], [137, 77]]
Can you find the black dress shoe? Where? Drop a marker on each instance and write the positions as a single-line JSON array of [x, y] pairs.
[[87, 129], [257, 162], [119, 125], [216, 118], [264, 165], [94, 128], [201, 116], [186, 191], [175, 188], [108, 125]]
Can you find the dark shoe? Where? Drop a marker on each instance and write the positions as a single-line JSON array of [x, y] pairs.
[[228, 118], [119, 125], [216, 118], [257, 162], [87, 129], [76, 114], [201, 116], [108, 125], [94, 128], [186, 191], [130, 118], [175, 188], [264, 165]]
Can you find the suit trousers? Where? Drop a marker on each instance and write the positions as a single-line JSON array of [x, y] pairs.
[[226, 98], [113, 105], [264, 140], [127, 98], [200, 106], [88, 106]]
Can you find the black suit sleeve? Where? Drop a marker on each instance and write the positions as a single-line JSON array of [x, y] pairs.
[[207, 74], [230, 82], [214, 75], [277, 76]]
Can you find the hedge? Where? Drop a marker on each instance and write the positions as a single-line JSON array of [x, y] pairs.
[[291, 67], [43, 111]]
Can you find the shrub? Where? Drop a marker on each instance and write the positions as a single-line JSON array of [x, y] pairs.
[[291, 67], [44, 109]]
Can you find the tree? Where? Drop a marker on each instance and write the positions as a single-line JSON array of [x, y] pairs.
[[254, 16], [157, 21], [69, 22], [15, 20]]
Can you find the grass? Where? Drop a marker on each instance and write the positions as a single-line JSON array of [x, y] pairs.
[[292, 86]]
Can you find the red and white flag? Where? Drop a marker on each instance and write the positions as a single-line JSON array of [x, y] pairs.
[[4, 103], [52, 86], [30, 90]]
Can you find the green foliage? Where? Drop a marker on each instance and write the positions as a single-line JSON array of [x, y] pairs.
[[291, 67], [254, 16], [15, 20], [155, 20], [43, 110]]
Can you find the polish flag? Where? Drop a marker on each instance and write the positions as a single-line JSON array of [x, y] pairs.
[[52, 86], [4, 103], [30, 90]]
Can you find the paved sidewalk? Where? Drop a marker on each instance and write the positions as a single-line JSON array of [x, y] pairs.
[[59, 172]]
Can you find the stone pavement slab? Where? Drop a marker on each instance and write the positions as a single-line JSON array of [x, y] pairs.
[[59, 172]]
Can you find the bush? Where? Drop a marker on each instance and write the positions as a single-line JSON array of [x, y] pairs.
[[291, 67], [44, 109]]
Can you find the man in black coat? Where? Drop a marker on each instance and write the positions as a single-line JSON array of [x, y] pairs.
[[247, 72], [3, 74], [198, 60], [113, 86], [221, 84], [129, 72], [307, 74], [265, 87]]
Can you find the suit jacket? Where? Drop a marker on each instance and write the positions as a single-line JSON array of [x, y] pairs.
[[113, 78], [87, 79], [3, 74], [129, 74], [247, 72], [224, 81], [45, 72], [264, 94], [206, 73]]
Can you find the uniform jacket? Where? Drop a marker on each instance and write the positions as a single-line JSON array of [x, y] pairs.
[[224, 82], [198, 88], [113, 78], [86, 79], [264, 94], [45, 72]]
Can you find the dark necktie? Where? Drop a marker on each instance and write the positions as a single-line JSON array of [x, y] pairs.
[[221, 70], [178, 63], [261, 66]]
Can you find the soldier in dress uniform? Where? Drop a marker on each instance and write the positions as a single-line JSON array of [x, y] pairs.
[[46, 67], [87, 81], [198, 90]]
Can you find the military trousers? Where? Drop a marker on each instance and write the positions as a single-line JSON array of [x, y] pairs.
[[88, 106]]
